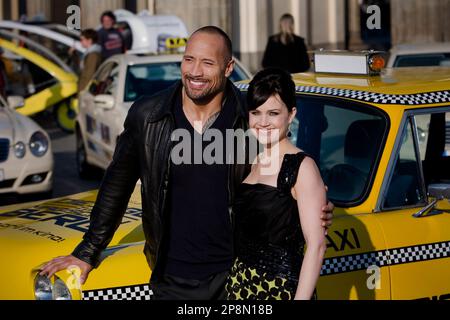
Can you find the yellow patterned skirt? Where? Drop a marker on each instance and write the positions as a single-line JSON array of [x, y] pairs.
[[250, 283]]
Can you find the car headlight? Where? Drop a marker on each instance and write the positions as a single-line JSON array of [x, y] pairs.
[[60, 291], [19, 150], [44, 289], [38, 144]]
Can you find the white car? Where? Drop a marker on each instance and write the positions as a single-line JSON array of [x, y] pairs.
[[420, 55], [104, 104], [26, 158]]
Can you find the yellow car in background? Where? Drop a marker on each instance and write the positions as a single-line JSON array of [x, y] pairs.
[[40, 77], [382, 144]]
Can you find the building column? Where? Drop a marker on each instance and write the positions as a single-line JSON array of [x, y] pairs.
[[148, 5], [354, 26], [15, 10], [39, 8], [92, 9], [420, 21], [250, 31]]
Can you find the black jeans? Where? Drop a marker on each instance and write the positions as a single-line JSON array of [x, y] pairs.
[[175, 288]]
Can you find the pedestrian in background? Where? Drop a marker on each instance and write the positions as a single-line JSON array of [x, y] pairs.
[[286, 50], [110, 39], [91, 58]]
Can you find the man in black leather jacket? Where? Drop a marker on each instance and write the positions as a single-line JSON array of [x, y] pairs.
[[186, 208]]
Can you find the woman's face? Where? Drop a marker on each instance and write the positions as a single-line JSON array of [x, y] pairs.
[[270, 121]]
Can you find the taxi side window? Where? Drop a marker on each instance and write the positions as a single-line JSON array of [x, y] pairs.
[[112, 81], [344, 140], [26, 78], [434, 146], [405, 188], [103, 81]]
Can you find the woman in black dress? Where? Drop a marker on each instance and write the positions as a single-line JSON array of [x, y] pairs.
[[278, 207], [285, 49]]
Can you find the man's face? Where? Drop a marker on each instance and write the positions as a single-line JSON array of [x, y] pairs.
[[204, 69], [107, 22]]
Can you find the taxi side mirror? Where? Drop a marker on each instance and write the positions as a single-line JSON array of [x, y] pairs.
[[441, 192], [440, 203], [15, 102], [104, 101]]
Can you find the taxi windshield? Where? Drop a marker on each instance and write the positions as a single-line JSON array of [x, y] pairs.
[[345, 139], [147, 79]]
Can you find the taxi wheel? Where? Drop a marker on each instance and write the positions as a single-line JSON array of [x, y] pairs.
[[85, 170], [65, 114]]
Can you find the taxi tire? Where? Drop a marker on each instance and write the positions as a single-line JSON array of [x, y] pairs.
[[84, 169], [65, 115]]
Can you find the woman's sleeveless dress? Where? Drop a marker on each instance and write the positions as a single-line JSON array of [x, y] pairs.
[[268, 240]]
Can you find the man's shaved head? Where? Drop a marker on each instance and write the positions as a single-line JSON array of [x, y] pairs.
[[213, 30]]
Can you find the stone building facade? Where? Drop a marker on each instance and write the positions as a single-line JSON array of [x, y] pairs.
[[323, 23]]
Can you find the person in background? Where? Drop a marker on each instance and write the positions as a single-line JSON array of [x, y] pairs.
[[110, 39], [91, 58], [285, 50]]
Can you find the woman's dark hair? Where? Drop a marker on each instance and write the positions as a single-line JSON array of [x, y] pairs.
[[269, 82], [108, 14], [90, 34]]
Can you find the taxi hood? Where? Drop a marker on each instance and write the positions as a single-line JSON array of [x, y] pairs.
[[32, 234]]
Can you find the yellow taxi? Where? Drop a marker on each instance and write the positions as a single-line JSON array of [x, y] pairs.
[[39, 76], [382, 144]]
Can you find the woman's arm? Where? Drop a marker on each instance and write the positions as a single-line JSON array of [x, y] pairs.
[[311, 197]]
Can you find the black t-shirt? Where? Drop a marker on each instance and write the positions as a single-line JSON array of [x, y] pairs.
[[200, 233], [111, 42]]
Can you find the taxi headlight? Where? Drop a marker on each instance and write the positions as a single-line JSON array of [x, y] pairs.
[[45, 290], [19, 150], [38, 144], [42, 288], [60, 291]]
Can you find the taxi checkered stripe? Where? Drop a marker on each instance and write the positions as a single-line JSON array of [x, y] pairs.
[[386, 258], [380, 98], [330, 266], [139, 292]]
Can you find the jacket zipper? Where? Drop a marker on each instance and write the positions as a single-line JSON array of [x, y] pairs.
[[164, 193]]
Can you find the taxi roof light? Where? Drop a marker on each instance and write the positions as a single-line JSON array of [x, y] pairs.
[[349, 62]]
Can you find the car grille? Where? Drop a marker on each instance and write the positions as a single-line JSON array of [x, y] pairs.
[[4, 149], [7, 183]]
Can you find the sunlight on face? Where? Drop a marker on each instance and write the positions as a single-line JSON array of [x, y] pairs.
[[203, 67], [270, 121]]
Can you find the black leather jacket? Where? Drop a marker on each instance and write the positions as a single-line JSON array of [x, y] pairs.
[[143, 152]]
